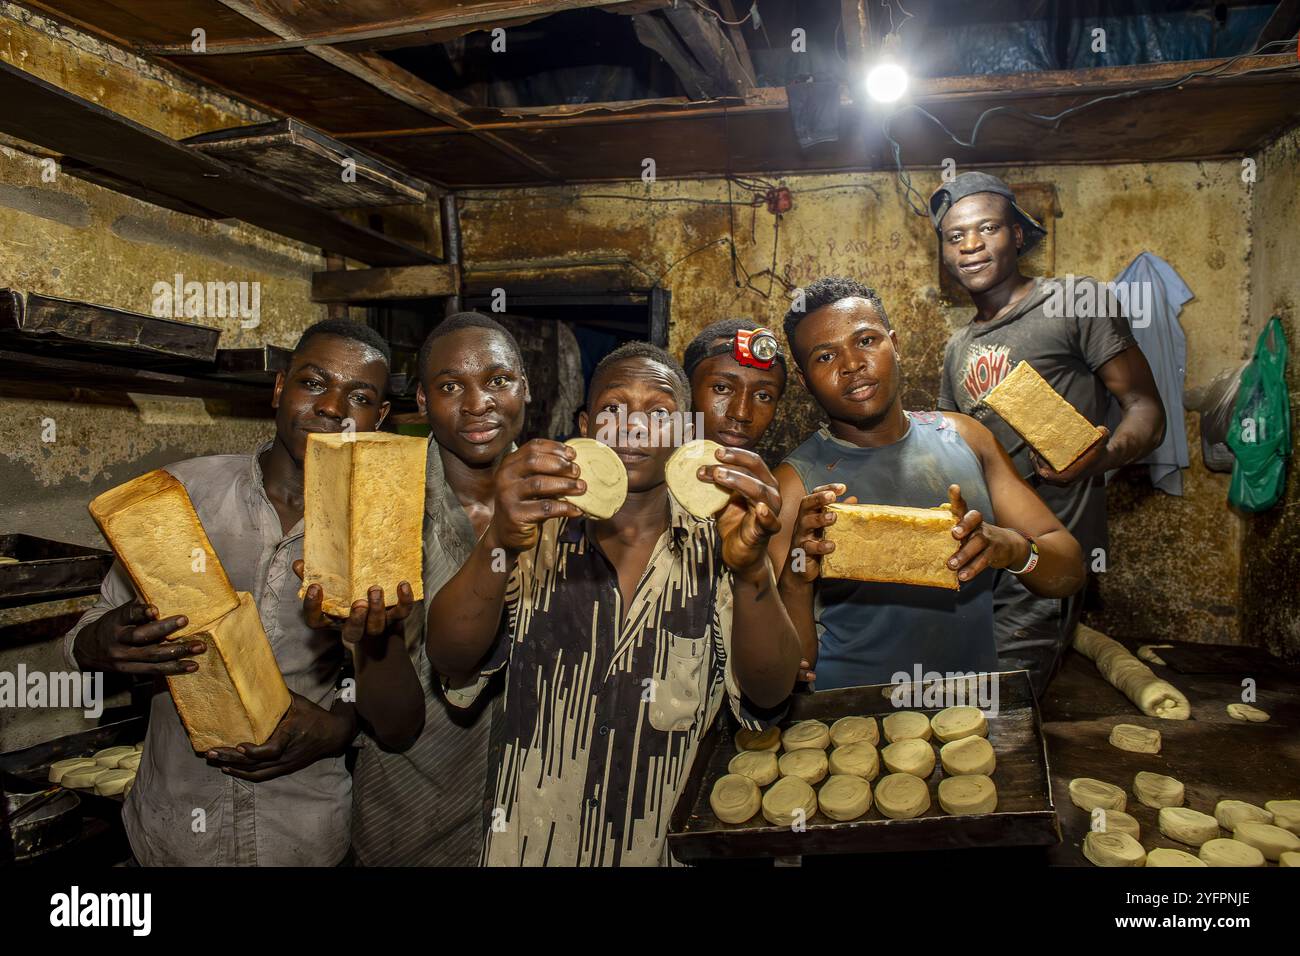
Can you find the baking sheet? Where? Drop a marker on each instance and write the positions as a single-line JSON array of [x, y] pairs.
[[1025, 815]]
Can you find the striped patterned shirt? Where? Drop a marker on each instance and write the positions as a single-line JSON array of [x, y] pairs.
[[604, 714]]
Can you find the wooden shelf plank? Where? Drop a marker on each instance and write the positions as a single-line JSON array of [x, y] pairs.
[[41, 113]]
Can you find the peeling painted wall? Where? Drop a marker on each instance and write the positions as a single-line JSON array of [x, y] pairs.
[[1195, 215], [1271, 562], [69, 238]]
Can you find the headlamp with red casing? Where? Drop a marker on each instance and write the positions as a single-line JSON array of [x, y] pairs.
[[755, 348]]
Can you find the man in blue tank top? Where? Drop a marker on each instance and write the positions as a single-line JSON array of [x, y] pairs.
[[846, 355]]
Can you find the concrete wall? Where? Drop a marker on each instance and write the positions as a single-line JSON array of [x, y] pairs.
[[70, 238], [1174, 566]]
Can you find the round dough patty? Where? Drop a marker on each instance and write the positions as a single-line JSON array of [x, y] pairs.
[[113, 782], [1289, 858], [901, 796], [1231, 812], [1157, 790], [954, 723], [1115, 821], [906, 725], [60, 768], [769, 739], [701, 498], [909, 756], [1286, 814], [1135, 739], [1162, 856], [1087, 793], [1268, 839], [1247, 712], [808, 764], [858, 760], [1221, 852], [1113, 849], [844, 797], [130, 762], [109, 756], [968, 755], [970, 794], [805, 735], [854, 730], [757, 765], [604, 474], [83, 778], [734, 798], [1187, 825], [785, 798]]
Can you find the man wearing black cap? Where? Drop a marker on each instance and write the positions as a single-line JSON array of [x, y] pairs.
[[1086, 354], [738, 401]]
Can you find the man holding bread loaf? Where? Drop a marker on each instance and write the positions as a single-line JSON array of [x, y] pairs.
[[612, 632], [866, 628], [286, 801], [1082, 346]]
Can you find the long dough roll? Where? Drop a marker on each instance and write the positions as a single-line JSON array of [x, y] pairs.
[[1153, 696]]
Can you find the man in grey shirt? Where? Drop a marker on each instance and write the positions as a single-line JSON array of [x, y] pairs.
[[286, 802], [1076, 336], [422, 802]]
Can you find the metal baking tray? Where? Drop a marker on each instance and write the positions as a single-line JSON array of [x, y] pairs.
[[47, 569], [27, 770], [1025, 815]]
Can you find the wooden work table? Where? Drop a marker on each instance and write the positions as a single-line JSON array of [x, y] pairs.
[[1213, 755]]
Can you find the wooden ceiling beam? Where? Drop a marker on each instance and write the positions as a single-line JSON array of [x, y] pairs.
[[391, 79], [1282, 25], [737, 33], [712, 49], [480, 16]]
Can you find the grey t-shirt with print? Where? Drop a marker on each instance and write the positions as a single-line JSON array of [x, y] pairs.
[[1066, 330]]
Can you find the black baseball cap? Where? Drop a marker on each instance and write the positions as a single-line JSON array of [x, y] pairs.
[[968, 184]]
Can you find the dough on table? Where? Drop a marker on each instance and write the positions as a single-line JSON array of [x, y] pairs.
[[109, 756], [954, 723], [1135, 739], [1157, 790], [1289, 858], [1222, 852], [906, 725], [758, 765], [1187, 825], [806, 734], [855, 730], [969, 794], [784, 800], [1153, 696], [1087, 793], [83, 777], [858, 760], [130, 762], [968, 755], [734, 798], [703, 499], [1286, 814], [1162, 856], [1113, 849], [844, 797], [140, 745], [1147, 652], [113, 782], [1115, 821], [606, 477], [1268, 839], [808, 764], [1247, 712], [769, 739], [901, 796], [1231, 812], [909, 756], [61, 768]]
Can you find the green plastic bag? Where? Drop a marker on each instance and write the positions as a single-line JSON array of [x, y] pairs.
[[1260, 433]]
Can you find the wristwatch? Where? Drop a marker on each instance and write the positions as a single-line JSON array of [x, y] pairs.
[[1033, 554]]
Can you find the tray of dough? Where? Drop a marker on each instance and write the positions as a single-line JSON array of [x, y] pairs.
[[1024, 814]]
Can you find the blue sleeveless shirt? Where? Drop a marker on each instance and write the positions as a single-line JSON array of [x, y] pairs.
[[869, 631]]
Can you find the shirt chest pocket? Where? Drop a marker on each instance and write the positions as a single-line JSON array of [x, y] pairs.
[[676, 695]]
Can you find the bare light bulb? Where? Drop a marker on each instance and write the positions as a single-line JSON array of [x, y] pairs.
[[886, 81]]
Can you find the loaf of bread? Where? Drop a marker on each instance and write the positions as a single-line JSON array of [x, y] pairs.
[[891, 544], [238, 694], [152, 526], [363, 516], [1044, 419]]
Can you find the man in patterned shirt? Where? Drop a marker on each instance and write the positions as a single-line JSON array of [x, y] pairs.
[[617, 635]]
